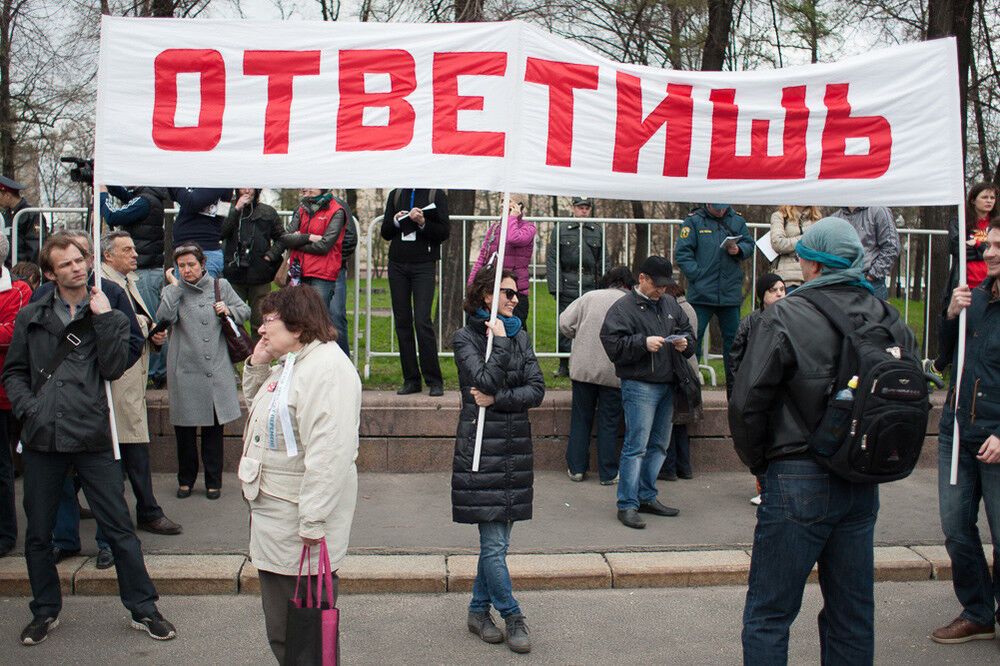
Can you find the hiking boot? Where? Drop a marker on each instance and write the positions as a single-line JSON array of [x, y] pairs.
[[38, 630], [517, 634], [482, 625], [155, 625], [961, 630]]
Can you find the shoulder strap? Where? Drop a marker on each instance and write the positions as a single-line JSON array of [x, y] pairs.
[[218, 291], [827, 308], [70, 341]]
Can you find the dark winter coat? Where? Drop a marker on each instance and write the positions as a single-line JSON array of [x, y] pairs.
[[70, 413], [565, 240], [631, 320], [427, 245], [714, 276], [250, 233], [141, 215], [502, 488]]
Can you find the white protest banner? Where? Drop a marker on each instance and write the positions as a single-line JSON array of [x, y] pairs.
[[509, 107]]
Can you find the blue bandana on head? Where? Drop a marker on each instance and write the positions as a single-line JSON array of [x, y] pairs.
[[512, 325], [834, 244]]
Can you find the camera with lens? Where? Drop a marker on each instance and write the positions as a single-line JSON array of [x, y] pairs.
[[241, 258], [83, 172]]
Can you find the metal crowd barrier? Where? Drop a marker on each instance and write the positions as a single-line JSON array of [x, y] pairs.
[[663, 243]]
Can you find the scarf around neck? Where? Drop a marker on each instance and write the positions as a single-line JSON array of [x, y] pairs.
[[317, 203], [512, 325]]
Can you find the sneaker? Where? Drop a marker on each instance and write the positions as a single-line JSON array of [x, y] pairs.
[[156, 626], [38, 630], [574, 477], [105, 560], [755, 500], [961, 630], [610, 482], [517, 634], [482, 625]]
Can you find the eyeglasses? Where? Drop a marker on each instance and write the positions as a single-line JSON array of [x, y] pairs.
[[269, 318], [511, 294]]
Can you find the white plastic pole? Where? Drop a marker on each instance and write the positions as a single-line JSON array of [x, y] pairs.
[[95, 226], [481, 421], [960, 361]]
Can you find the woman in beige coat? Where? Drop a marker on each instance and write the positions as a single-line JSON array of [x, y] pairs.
[[301, 485], [788, 223]]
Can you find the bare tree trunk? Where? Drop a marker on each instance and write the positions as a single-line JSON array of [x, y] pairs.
[[641, 234], [454, 255], [720, 20], [946, 18], [6, 113], [161, 8], [977, 108]]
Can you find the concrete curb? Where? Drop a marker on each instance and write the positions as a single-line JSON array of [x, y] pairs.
[[370, 574]]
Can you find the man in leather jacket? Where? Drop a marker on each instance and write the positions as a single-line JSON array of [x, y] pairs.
[[807, 515]]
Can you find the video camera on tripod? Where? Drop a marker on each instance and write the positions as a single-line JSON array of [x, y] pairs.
[[83, 172]]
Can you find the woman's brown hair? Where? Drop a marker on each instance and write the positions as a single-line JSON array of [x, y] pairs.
[[482, 284], [190, 248], [301, 310]]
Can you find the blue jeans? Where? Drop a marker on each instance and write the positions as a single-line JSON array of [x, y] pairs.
[[150, 284], [809, 516], [976, 589], [649, 409], [729, 321], [214, 263], [330, 293], [588, 400], [492, 584]]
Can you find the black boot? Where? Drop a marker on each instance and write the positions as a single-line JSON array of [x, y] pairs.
[[482, 625]]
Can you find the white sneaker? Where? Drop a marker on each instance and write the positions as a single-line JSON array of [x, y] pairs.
[[574, 477], [610, 482], [755, 500]]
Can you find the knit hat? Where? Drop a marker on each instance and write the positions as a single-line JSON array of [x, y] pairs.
[[764, 283]]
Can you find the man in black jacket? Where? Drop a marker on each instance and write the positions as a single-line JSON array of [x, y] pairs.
[[641, 332], [978, 417], [64, 411], [415, 236], [807, 515]]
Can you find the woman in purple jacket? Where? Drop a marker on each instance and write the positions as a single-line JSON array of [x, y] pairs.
[[517, 256]]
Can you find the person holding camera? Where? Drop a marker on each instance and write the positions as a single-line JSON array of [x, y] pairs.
[[248, 235], [201, 380]]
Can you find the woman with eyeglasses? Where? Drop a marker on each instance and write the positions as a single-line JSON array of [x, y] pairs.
[[507, 384], [297, 471], [200, 377]]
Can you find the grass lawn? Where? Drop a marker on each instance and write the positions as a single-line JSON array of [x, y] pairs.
[[384, 372]]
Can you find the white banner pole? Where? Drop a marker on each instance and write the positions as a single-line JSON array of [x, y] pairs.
[[960, 361], [95, 226], [480, 422]]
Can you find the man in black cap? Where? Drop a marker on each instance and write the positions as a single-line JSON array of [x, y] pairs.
[[641, 332], [11, 203], [569, 272]]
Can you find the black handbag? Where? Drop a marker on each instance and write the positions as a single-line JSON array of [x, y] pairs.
[[238, 343], [687, 385]]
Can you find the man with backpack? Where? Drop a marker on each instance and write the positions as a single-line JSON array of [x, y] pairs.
[[978, 417], [822, 458]]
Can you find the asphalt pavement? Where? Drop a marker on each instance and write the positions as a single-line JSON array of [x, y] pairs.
[[646, 626], [411, 513]]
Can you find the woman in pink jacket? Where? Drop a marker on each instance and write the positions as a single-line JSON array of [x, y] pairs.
[[517, 256]]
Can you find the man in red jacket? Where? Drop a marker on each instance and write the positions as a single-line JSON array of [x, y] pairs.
[[13, 296]]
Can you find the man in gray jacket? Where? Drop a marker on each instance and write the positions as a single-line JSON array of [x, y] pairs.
[[64, 347], [879, 239]]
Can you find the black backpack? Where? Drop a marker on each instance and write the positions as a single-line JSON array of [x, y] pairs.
[[876, 436]]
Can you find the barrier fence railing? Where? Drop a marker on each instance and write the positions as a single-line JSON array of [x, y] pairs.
[[624, 232], [904, 277]]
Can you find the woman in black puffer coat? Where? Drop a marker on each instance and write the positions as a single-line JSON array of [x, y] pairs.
[[507, 384]]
